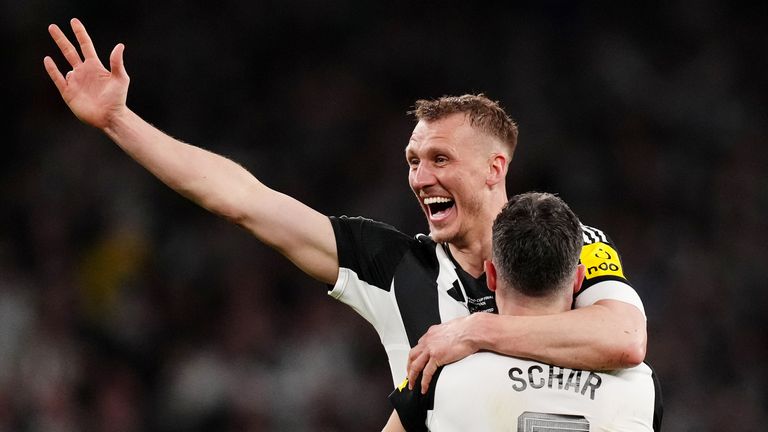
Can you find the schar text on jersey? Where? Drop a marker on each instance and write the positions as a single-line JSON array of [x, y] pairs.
[[554, 377]]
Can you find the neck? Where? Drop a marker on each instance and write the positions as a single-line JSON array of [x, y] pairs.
[[520, 305], [472, 255], [475, 246]]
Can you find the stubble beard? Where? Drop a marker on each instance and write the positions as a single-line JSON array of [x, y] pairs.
[[470, 215]]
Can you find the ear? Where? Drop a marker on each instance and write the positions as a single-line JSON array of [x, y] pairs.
[[579, 277], [497, 169], [490, 275]]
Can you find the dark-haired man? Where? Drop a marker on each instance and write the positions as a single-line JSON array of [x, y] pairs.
[[534, 271]]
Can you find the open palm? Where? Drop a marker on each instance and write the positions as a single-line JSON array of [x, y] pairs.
[[93, 93]]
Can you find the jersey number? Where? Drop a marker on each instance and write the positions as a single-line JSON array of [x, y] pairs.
[[542, 422]]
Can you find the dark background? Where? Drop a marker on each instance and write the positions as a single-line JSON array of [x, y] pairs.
[[124, 307]]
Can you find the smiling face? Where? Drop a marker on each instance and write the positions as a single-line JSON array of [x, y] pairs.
[[452, 173]]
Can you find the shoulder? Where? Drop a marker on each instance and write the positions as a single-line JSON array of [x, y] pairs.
[[599, 255], [604, 277], [592, 235], [371, 248], [484, 368], [359, 232], [359, 224]]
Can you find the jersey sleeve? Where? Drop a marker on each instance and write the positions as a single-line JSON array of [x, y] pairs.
[[604, 277], [369, 248], [412, 406], [369, 253]]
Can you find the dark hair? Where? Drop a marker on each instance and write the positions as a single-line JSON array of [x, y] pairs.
[[536, 243], [484, 114]]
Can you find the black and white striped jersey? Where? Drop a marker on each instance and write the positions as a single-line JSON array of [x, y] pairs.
[[403, 285], [491, 392]]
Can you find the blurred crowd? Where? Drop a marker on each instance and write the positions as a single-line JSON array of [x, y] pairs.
[[123, 307]]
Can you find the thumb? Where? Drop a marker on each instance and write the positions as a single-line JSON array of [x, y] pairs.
[[116, 61]]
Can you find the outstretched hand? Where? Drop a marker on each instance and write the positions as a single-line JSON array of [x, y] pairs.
[[441, 344], [93, 93]]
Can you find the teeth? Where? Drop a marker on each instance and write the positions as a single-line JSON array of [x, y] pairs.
[[435, 200]]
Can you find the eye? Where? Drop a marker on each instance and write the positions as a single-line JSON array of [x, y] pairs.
[[441, 160], [413, 162]]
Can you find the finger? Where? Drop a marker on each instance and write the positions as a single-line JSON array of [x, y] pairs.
[[413, 354], [116, 64], [66, 47], [86, 45], [416, 367], [426, 376], [55, 74]]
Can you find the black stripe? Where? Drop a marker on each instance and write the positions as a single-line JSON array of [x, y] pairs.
[[658, 402], [589, 235], [596, 233], [415, 286], [430, 396]]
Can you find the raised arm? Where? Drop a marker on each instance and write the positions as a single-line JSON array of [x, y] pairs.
[[97, 97], [607, 335]]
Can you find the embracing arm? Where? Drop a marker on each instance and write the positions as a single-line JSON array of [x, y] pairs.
[[97, 96], [607, 335]]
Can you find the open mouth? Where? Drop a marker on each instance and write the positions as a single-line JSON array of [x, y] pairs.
[[438, 206]]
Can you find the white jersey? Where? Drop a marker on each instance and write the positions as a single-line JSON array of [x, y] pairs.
[[491, 392], [403, 285]]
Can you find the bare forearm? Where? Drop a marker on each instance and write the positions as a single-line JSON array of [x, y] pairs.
[[607, 335], [212, 181], [229, 190]]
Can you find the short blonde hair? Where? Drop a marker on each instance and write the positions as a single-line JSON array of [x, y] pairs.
[[483, 113]]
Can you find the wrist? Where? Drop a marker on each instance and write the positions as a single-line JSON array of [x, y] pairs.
[[478, 331], [116, 120]]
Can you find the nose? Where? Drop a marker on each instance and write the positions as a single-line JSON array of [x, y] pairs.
[[422, 177]]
